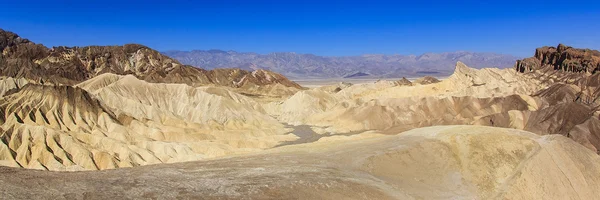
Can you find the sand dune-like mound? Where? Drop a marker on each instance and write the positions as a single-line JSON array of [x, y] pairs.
[[301, 105], [117, 121], [160, 102], [407, 113], [385, 104], [505, 98], [464, 162], [334, 88], [467, 81], [576, 121], [464, 81]]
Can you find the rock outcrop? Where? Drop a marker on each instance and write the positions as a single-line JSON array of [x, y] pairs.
[[562, 58], [566, 65], [570, 74]]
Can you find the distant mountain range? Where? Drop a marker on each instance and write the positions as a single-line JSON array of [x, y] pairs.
[[296, 65]]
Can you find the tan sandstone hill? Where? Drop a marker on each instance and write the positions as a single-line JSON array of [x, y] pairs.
[[212, 121], [493, 97], [114, 121]]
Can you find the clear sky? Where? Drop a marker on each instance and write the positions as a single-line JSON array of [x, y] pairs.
[[331, 28]]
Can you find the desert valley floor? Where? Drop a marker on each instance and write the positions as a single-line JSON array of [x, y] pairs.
[[320, 82]]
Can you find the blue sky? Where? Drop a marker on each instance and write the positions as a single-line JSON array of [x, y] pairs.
[[332, 28]]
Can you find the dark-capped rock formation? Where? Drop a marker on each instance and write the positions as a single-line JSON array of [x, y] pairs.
[[572, 94], [563, 58], [566, 65], [70, 65]]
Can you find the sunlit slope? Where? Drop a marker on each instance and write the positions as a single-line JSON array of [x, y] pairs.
[[440, 162], [119, 121]]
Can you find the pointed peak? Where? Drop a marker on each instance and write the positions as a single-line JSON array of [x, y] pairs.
[[404, 81], [460, 64], [462, 68]]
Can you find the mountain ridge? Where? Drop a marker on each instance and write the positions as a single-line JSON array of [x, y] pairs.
[[22, 58], [300, 65]]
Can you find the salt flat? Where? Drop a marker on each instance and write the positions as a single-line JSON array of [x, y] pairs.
[[317, 82]]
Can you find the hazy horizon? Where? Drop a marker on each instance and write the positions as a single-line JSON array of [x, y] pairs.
[[327, 28], [366, 54]]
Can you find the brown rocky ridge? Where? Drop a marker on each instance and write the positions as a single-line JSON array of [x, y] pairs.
[[567, 65], [564, 58], [22, 58], [572, 91]]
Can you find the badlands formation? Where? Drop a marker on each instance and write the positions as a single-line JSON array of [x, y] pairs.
[[531, 132], [440, 162]]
